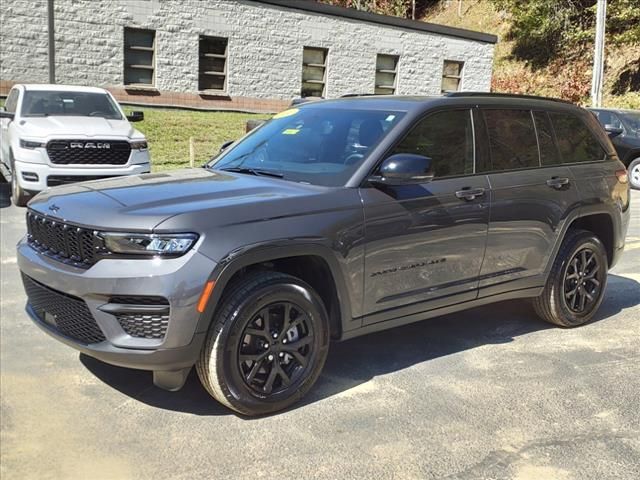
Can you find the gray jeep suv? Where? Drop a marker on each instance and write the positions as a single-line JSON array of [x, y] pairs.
[[334, 219]]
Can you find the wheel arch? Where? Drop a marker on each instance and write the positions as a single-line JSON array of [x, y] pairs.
[[313, 263], [597, 219]]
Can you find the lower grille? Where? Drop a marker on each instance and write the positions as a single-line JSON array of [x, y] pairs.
[[144, 325], [55, 180], [148, 319], [67, 314]]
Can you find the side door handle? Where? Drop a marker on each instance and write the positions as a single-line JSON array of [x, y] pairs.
[[469, 193], [558, 182]]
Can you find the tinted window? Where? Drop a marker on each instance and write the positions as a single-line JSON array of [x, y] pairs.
[[42, 103], [322, 146], [445, 137], [512, 139], [575, 140], [609, 119], [549, 154]]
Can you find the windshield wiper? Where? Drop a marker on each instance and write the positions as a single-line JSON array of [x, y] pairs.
[[253, 171]]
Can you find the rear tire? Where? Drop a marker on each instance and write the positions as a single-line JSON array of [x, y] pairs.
[[634, 173], [577, 281], [267, 344]]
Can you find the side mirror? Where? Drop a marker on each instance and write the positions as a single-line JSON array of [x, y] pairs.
[[8, 115], [404, 169], [613, 131], [226, 145], [136, 116]]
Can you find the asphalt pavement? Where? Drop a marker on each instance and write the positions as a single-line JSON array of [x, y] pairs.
[[488, 393]]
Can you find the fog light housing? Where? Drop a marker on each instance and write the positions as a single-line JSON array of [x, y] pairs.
[[30, 176]]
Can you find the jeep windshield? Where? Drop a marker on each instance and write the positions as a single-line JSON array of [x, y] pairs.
[[42, 103], [320, 146]]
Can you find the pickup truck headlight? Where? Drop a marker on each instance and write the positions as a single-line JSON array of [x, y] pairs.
[[166, 245], [139, 145], [31, 145]]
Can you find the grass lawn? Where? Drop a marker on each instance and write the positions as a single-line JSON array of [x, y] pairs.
[[168, 132]]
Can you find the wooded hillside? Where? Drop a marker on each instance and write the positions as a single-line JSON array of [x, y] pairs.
[[545, 46]]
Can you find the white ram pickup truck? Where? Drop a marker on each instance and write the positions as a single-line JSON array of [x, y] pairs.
[[57, 134]]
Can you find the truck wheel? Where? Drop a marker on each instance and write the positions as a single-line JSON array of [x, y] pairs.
[[266, 345], [634, 173], [576, 283], [19, 196]]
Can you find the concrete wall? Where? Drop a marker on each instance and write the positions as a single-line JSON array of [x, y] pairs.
[[264, 49]]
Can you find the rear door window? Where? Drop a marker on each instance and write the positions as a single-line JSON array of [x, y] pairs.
[[445, 137], [549, 154], [512, 139], [575, 141]]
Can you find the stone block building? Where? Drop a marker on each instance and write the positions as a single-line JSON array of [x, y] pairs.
[[246, 55]]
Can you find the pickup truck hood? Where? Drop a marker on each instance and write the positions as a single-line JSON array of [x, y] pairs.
[[142, 202], [75, 127]]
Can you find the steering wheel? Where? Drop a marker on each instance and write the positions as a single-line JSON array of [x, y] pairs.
[[353, 158], [96, 114]]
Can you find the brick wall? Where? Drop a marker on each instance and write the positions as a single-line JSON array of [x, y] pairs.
[[264, 50]]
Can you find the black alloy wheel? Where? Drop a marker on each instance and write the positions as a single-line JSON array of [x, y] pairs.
[[582, 281], [276, 348]]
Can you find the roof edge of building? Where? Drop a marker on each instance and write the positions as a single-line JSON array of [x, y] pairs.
[[351, 13]]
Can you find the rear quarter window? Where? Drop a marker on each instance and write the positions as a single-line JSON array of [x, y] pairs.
[[575, 140]]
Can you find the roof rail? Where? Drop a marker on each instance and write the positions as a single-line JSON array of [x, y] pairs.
[[349, 95], [504, 95]]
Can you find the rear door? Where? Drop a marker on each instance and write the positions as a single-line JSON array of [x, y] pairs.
[[531, 192], [424, 243]]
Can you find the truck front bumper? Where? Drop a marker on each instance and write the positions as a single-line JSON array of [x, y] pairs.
[[35, 177]]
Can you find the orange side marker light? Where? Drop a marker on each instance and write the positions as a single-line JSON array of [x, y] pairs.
[[206, 293]]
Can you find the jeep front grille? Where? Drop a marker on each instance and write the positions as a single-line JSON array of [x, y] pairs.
[[62, 241], [66, 314], [89, 152]]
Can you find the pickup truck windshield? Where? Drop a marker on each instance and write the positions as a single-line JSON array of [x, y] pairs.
[[316, 145], [41, 103]]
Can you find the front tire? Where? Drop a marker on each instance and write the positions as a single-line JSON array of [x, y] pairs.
[[577, 281], [266, 346], [634, 173], [19, 196]]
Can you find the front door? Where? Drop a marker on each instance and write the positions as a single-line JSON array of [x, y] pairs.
[[424, 243]]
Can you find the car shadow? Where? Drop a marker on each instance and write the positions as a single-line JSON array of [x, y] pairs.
[[357, 361]]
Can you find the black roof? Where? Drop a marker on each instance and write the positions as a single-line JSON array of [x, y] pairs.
[[407, 103], [351, 13]]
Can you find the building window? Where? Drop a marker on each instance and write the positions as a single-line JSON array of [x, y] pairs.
[[213, 64], [452, 76], [386, 70], [139, 57], [314, 65]]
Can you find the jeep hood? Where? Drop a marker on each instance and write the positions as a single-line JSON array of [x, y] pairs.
[[142, 202], [75, 127]]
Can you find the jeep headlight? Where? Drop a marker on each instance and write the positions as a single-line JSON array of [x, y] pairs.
[[166, 245]]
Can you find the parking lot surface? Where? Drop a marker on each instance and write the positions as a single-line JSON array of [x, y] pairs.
[[488, 393]]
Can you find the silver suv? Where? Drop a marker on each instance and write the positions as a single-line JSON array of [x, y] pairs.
[[334, 219]]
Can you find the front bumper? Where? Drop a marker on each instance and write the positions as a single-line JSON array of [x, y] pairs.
[[44, 171], [179, 280]]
